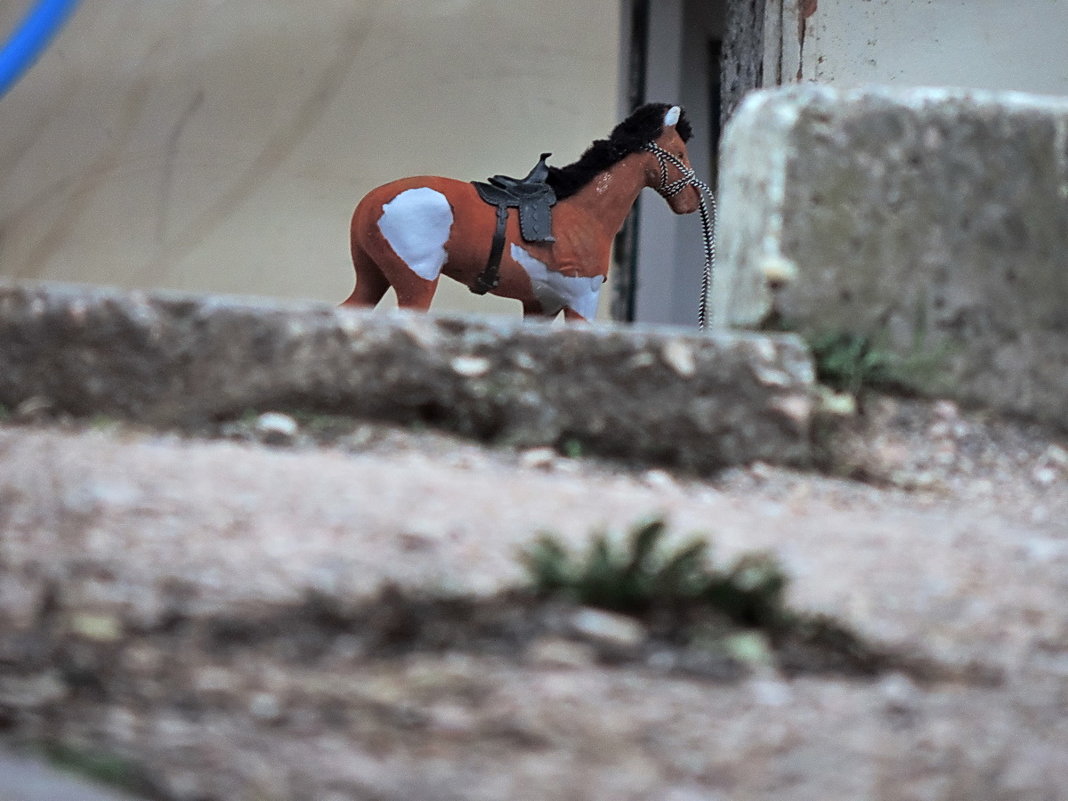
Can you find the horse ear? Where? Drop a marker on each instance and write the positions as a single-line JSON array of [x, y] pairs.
[[672, 116]]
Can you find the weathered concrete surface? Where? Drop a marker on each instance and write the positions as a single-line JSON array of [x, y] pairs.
[[113, 541], [662, 395], [935, 220]]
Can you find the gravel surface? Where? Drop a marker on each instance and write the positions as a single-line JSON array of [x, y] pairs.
[[122, 549]]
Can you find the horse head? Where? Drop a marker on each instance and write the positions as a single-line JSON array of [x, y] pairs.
[[668, 168]]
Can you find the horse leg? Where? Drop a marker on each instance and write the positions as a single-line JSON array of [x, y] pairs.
[[532, 310], [386, 269], [371, 282], [375, 275], [415, 293], [399, 240]]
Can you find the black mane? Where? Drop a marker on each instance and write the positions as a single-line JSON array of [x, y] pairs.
[[637, 130]]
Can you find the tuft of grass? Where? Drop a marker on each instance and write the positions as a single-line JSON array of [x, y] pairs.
[[851, 363], [639, 575], [640, 578], [103, 422], [572, 448]]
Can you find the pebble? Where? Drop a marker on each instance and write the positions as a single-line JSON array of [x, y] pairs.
[[96, 627], [34, 409], [658, 479], [749, 648], [663, 660], [679, 357], [538, 458], [607, 628], [184, 784], [777, 271], [836, 404], [1056, 455], [899, 693], [470, 366], [946, 409], [1039, 515], [1045, 549], [695, 793], [265, 707], [452, 720], [771, 692], [30, 692], [760, 471], [946, 457], [1044, 476], [275, 428], [122, 723], [212, 679], [560, 653]]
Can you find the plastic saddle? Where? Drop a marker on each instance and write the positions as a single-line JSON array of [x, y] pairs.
[[533, 197]]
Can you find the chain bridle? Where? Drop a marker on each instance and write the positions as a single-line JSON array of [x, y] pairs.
[[708, 220]]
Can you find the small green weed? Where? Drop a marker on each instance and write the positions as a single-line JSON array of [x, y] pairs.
[[849, 362], [572, 448], [103, 422], [679, 595], [853, 362], [856, 363], [639, 576]]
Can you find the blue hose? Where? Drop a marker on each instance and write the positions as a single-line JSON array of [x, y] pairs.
[[31, 38]]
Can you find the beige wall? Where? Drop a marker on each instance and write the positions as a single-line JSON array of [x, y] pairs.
[[984, 44], [221, 146]]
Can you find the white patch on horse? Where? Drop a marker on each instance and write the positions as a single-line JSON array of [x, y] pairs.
[[416, 223], [672, 116], [554, 290]]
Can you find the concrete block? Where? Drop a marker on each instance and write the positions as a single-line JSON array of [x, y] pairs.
[[663, 395], [934, 221]]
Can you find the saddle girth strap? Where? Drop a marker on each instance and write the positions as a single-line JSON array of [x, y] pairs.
[[533, 198], [490, 277]]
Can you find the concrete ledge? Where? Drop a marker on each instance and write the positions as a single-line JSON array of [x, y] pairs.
[[659, 395], [934, 221]]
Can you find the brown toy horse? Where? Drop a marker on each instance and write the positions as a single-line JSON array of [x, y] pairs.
[[407, 233]]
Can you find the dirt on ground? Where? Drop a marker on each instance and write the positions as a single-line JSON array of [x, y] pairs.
[[290, 607]]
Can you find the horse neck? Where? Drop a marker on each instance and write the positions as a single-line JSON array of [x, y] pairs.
[[610, 195]]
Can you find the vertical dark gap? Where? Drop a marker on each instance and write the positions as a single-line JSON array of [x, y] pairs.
[[626, 243], [743, 53], [715, 108], [639, 49]]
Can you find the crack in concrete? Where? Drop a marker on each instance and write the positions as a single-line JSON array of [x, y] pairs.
[[170, 157], [272, 154]]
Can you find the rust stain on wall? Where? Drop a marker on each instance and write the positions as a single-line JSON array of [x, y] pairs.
[[805, 9]]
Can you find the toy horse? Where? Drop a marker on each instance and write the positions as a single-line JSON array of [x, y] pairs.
[[544, 240]]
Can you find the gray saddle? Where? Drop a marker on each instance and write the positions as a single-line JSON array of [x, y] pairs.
[[533, 197]]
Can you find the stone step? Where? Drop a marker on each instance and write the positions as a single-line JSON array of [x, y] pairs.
[[696, 401]]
